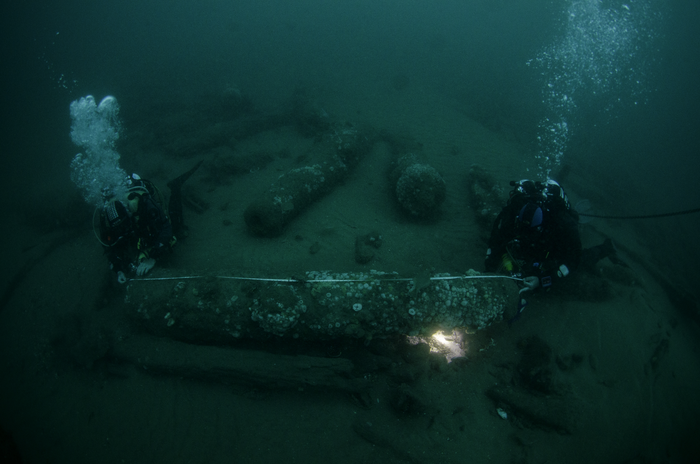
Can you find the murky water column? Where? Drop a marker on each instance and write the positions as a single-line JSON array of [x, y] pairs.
[[599, 62]]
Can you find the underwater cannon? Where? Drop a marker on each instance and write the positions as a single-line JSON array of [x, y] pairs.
[[321, 306], [338, 151]]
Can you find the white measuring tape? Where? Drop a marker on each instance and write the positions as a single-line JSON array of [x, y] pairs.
[[260, 279]]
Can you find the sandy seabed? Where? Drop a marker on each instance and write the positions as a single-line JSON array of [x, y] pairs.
[[624, 366]]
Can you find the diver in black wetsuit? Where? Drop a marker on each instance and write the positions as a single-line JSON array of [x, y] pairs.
[[136, 231], [536, 236]]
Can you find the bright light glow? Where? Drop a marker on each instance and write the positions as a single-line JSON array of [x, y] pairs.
[[449, 345], [440, 338]]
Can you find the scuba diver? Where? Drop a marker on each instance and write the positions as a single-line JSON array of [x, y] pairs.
[[536, 237], [135, 230]]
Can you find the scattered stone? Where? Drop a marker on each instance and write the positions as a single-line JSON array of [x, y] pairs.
[[365, 246], [406, 402], [534, 368], [315, 248], [556, 414]]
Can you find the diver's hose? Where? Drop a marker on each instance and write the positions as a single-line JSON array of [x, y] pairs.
[[647, 216], [94, 229]]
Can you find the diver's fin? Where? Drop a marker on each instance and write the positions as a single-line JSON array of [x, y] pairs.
[[178, 181], [175, 205], [615, 260], [521, 307], [610, 251], [609, 247]]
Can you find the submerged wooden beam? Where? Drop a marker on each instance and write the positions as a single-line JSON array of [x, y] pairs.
[[236, 366]]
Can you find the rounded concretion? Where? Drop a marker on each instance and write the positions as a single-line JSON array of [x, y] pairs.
[[420, 190]]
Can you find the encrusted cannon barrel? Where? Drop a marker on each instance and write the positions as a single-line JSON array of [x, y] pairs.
[[324, 305], [338, 151]]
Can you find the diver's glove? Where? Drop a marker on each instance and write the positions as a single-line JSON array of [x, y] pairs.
[[531, 282], [145, 266], [121, 278]]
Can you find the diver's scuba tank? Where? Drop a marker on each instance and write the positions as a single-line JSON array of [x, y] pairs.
[[115, 223], [112, 221]]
